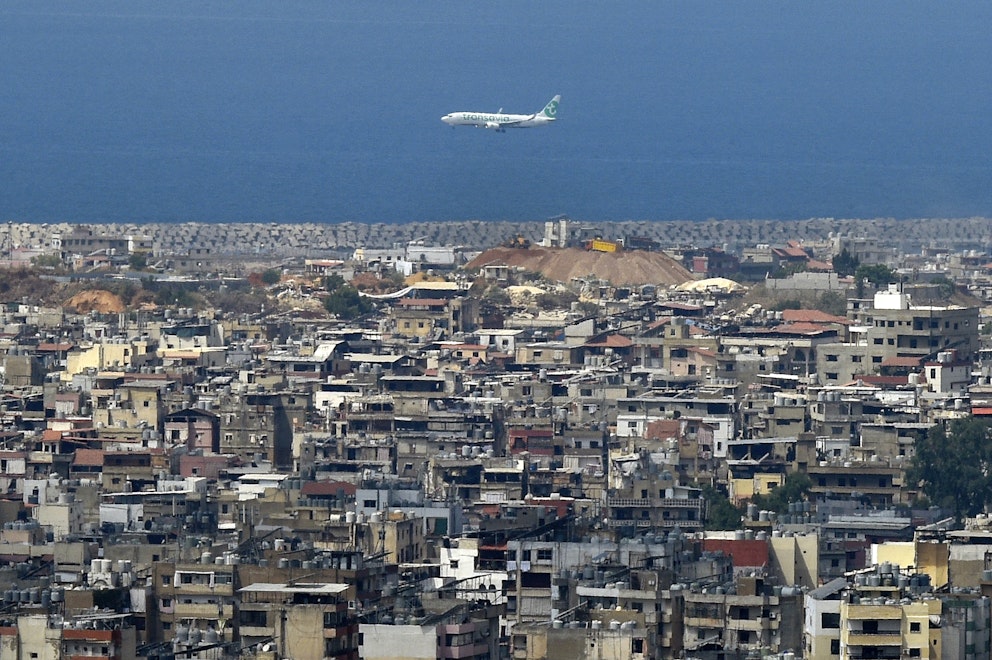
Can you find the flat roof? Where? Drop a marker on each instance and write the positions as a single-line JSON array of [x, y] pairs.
[[332, 588]]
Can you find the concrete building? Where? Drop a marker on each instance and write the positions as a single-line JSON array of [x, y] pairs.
[[304, 621]]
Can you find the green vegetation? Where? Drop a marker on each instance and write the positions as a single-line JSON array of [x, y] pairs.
[[344, 301], [845, 263], [832, 302], [586, 308], [556, 300], [946, 285], [786, 303], [720, 513], [51, 261], [795, 489], [496, 295], [271, 276], [877, 274], [953, 466], [178, 295], [790, 269], [138, 261]]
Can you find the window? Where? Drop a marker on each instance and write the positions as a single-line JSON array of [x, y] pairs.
[[914, 653], [914, 626], [545, 554], [834, 647]]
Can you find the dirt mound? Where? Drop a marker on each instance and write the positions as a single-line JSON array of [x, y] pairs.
[[562, 264], [96, 300]]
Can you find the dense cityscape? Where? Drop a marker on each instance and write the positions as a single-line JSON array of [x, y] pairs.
[[554, 439]]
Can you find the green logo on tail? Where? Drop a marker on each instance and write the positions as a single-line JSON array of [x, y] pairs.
[[551, 109]]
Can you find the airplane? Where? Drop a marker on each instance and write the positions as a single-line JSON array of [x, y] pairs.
[[499, 122]]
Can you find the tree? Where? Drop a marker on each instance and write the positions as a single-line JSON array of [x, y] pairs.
[[346, 303], [333, 282], [845, 263], [945, 285], [47, 261], [953, 466], [558, 300], [720, 513], [788, 303], [138, 261], [832, 302], [877, 274], [271, 276], [795, 489]]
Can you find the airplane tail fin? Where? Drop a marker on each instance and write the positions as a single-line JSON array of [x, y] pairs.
[[551, 109]]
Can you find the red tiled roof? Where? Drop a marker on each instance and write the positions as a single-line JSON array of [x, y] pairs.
[[662, 429], [88, 457], [981, 411], [611, 341], [743, 553], [896, 361], [816, 264], [48, 346], [328, 488], [791, 252], [811, 316]]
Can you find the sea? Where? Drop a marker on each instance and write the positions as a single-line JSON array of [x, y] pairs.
[[329, 110]]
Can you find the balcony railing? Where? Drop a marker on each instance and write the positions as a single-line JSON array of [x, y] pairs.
[[657, 502]]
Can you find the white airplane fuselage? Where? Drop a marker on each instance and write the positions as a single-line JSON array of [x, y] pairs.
[[495, 120], [500, 121]]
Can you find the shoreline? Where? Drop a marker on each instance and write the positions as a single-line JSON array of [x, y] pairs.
[[315, 240]]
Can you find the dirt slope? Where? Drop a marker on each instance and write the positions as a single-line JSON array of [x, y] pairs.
[[103, 302], [562, 264]]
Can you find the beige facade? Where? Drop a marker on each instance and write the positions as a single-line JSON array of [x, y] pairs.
[[889, 629], [104, 355]]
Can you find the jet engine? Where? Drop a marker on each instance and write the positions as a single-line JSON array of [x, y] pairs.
[[493, 125]]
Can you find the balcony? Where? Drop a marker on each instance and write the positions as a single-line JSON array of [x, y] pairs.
[[874, 639], [203, 611], [704, 622], [874, 612], [751, 624], [226, 589], [656, 502], [464, 651]]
